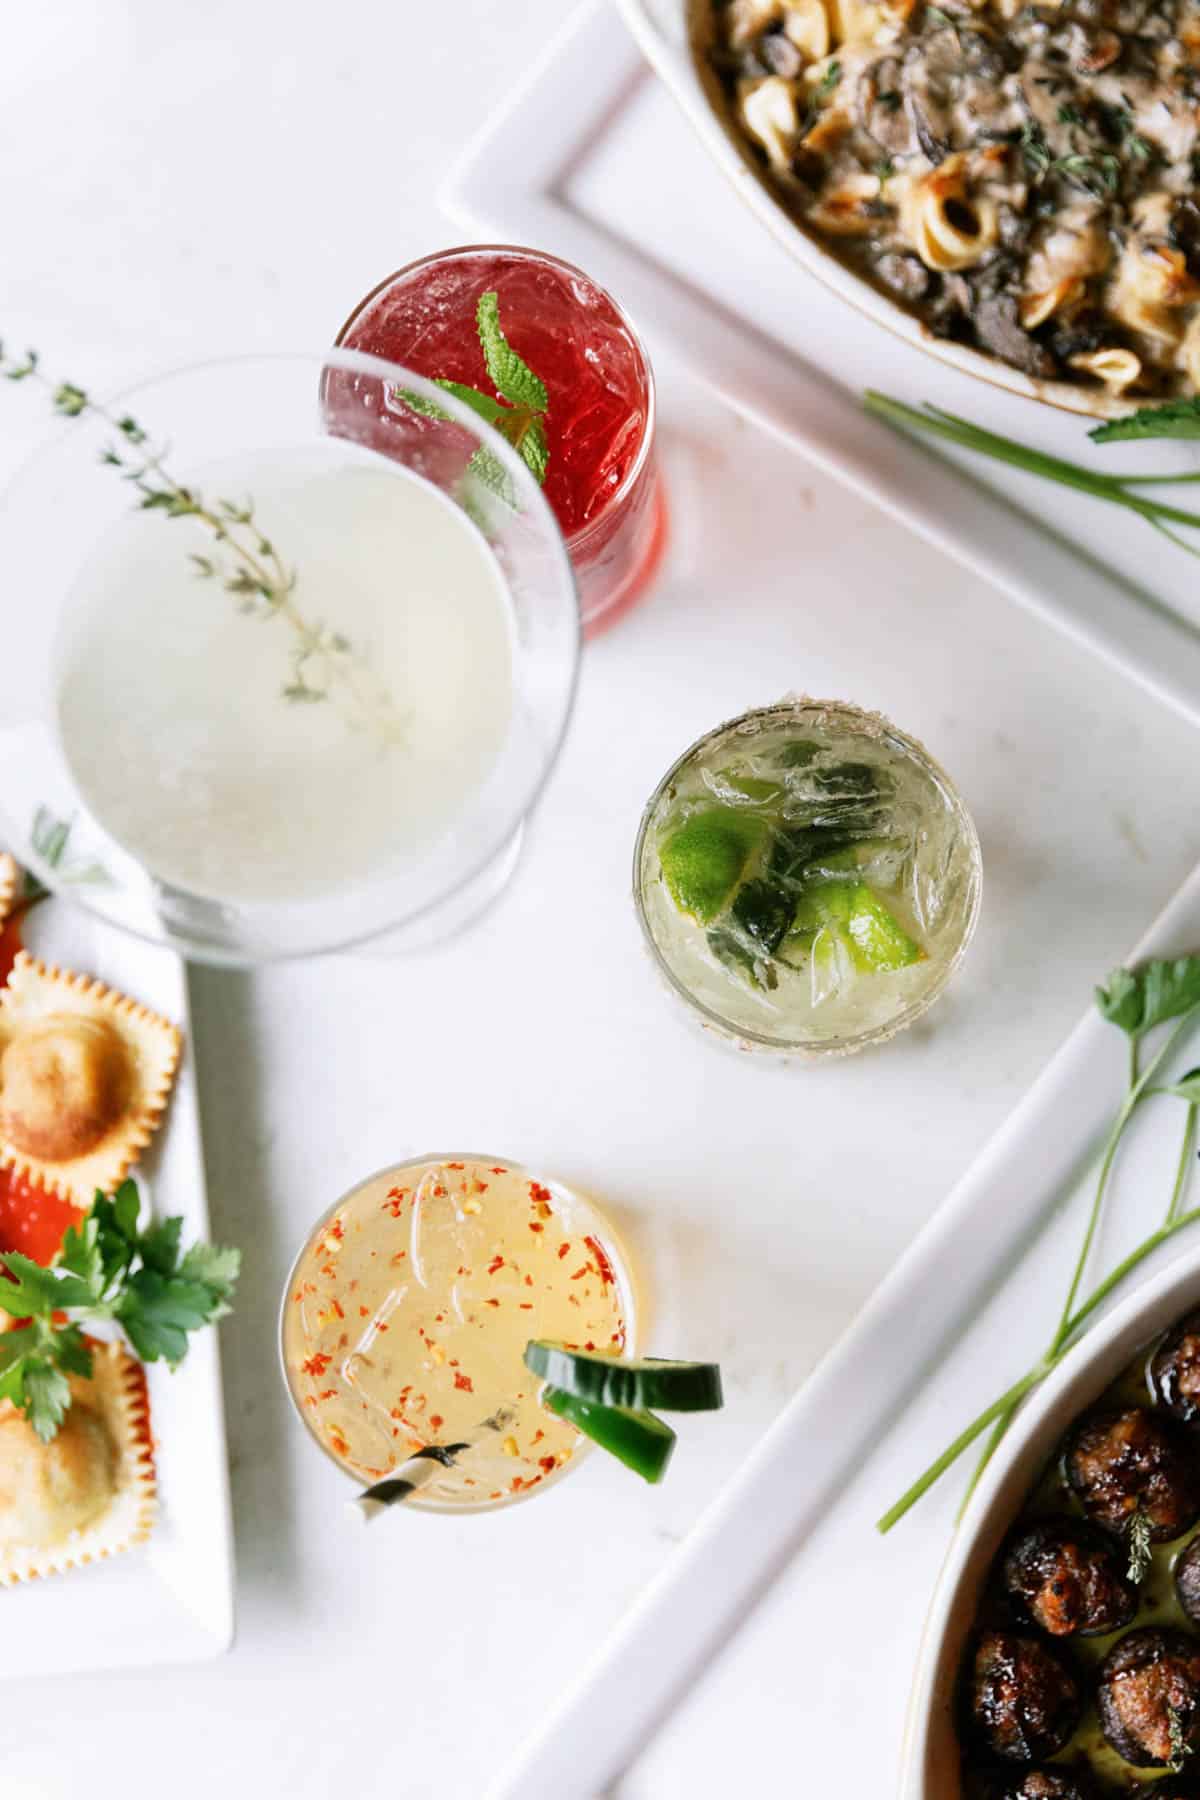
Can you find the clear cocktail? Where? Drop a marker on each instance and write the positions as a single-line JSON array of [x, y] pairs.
[[592, 441], [293, 693], [807, 878], [407, 1314]]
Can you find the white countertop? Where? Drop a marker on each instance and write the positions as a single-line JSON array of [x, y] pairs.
[[192, 182]]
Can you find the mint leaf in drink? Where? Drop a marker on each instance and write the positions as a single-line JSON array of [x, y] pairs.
[[519, 421], [490, 471], [480, 403], [514, 380], [424, 409], [1136, 1000], [1174, 419], [483, 404], [535, 451]]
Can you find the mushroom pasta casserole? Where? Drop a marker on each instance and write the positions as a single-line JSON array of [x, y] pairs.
[[1021, 177]]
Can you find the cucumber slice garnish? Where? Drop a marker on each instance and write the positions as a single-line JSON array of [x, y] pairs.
[[637, 1384], [639, 1440]]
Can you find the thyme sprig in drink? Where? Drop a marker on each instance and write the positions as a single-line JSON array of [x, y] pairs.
[[807, 878], [585, 424], [407, 1315]]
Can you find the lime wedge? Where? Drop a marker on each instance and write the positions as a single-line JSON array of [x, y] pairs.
[[878, 942], [703, 860]]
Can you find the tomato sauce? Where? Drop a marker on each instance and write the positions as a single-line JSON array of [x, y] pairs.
[[31, 1220]]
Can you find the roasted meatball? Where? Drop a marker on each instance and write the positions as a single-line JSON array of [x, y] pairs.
[[1148, 1696], [1033, 1784], [1187, 1581], [1175, 1370], [1024, 1697], [1133, 1461], [1068, 1579]]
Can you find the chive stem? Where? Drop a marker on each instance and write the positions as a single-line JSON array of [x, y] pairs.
[[1183, 1173], [1113, 488]]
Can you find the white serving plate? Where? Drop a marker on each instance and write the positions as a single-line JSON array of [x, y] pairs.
[[791, 1536], [594, 160], [931, 1759], [171, 1599]]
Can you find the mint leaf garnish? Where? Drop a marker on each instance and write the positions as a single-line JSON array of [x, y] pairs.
[[535, 451], [517, 414], [483, 404], [514, 380], [489, 470]]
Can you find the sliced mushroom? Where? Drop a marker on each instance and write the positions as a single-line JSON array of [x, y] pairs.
[[879, 103], [929, 75], [999, 329]]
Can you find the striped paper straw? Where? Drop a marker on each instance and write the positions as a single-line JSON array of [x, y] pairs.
[[421, 1467]]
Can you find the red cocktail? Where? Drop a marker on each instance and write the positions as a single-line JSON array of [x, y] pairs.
[[593, 443]]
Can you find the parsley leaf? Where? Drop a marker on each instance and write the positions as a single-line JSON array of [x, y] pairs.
[[109, 1270], [1175, 419], [1137, 1000]]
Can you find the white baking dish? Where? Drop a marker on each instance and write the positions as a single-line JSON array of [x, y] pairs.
[[931, 1755], [668, 32]]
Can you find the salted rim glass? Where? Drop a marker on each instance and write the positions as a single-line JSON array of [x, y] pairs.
[[614, 1248], [252, 405], [817, 713]]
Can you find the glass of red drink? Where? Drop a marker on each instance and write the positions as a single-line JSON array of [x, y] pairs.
[[601, 478]]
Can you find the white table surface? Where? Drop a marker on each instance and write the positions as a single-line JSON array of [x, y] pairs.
[[185, 181]]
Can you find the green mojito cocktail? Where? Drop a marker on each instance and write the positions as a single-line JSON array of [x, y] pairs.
[[807, 878]]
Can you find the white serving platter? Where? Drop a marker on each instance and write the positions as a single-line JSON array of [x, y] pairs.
[[594, 159], [712, 1677], [169, 1600]]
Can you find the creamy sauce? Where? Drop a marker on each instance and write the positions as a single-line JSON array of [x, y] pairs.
[[1019, 176]]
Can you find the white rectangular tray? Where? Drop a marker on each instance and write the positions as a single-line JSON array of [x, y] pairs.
[[592, 159], [714, 1683], [171, 1599]]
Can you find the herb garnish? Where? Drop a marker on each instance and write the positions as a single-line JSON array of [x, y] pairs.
[[324, 664], [1141, 1541], [1180, 1748], [820, 94], [517, 410], [1120, 490], [1097, 171], [108, 1271], [1173, 419], [1136, 1001]]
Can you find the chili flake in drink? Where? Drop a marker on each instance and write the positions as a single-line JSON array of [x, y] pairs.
[[408, 1311]]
